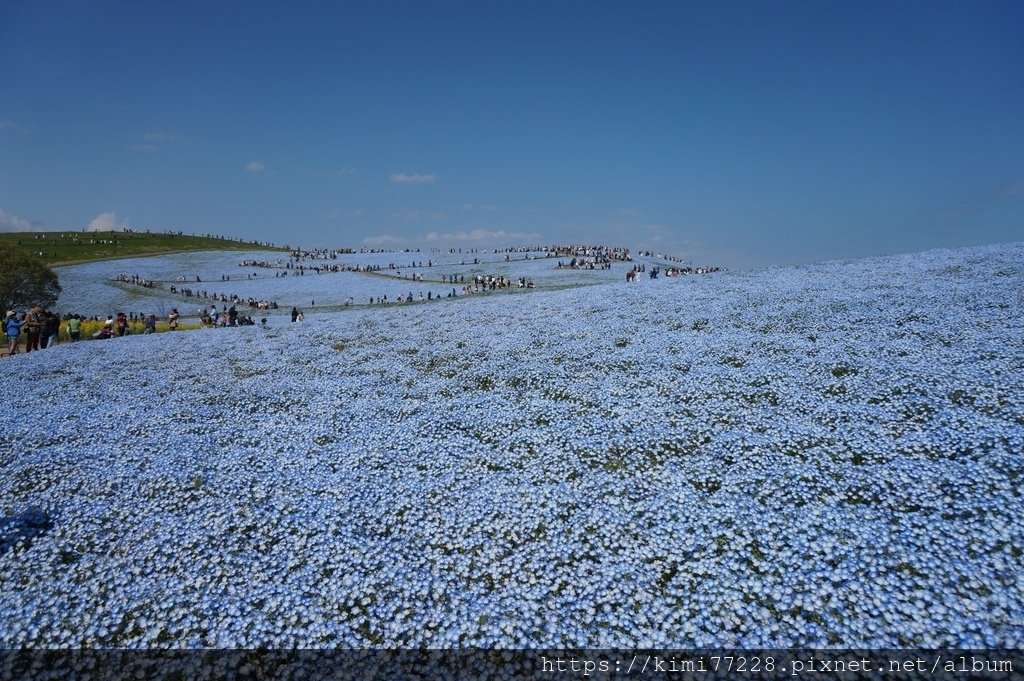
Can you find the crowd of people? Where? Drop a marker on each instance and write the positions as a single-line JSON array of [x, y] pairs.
[[136, 280], [597, 254], [41, 328], [676, 271], [228, 316], [234, 299], [189, 292], [586, 264]]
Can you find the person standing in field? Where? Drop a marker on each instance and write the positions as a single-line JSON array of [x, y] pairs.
[[75, 328], [51, 329], [172, 319], [34, 324], [13, 329]]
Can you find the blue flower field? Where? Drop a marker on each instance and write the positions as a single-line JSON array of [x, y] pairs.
[[821, 455]]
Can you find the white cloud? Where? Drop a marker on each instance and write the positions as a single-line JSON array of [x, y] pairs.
[[12, 223], [7, 125], [255, 167], [402, 178], [384, 241], [107, 222], [342, 172]]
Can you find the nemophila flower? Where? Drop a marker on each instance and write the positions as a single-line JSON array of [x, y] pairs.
[[819, 460]]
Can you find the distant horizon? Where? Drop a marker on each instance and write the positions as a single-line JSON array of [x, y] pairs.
[[730, 134]]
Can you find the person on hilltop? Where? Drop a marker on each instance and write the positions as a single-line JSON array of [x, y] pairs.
[[150, 324], [172, 320], [295, 313], [121, 324], [12, 327]]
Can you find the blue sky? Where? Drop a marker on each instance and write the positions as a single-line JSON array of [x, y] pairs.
[[740, 134]]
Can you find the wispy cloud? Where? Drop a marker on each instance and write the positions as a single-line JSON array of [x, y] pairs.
[[255, 167], [165, 137], [479, 235], [408, 215], [488, 207], [954, 213], [403, 178], [335, 213], [8, 125], [12, 223], [1012, 190], [152, 140], [385, 241], [107, 222], [341, 172]]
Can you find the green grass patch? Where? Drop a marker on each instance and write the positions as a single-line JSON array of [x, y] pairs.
[[64, 248]]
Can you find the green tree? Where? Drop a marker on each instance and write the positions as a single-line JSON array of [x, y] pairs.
[[25, 280]]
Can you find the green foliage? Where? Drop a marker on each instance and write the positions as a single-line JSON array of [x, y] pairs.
[[25, 281], [842, 370]]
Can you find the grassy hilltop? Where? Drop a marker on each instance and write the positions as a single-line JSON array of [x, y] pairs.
[[67, 247]]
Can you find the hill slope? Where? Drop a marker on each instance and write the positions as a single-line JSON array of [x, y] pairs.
[[63, 248], [820, 455]]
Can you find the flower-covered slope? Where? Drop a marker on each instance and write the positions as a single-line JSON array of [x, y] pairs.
[[93, 288], [818, 455]]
